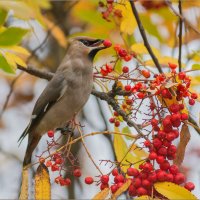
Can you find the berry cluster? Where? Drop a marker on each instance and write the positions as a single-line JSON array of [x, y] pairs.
[[109, 10]]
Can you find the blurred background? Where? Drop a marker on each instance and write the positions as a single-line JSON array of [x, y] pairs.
[[50, 24]]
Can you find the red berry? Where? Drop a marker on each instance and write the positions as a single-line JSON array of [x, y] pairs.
[[127, 58], [48, 163], [141, 191], [77, 172], [166, 94], [154, 122], [116, 113], [189, 186], [109, 68], [104, 179], [172, 65], [152, 177], [59, 161], [141, 95], [54, 167], [114, 188], [181, 75], [165, 165], [57, 179], [147, 167], [161, 134], [146, 183], [103, 186], [104, 72], [129, 101], [122, 52], [171, 150], [173, 169], [157, 143], [179, 178], [174, 108], [125, 69], [120, 184], [132, 191], [132, 172], [160, 159], [127, 88], [115, 172], [184, 116], [110, 1], [107, 43], [191, 102], [147, 143], [89, 180], [170, 136], [50, 133], [146, 73], [162, 151], [152, 156], [194, 96], [117, 123], [161, 176], [119, 179], [112, 120], [170, 177], [137, 182]]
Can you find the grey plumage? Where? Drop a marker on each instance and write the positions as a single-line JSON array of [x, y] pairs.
[[65, 94]]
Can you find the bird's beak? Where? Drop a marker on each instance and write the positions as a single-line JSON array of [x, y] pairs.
[[98, 44]]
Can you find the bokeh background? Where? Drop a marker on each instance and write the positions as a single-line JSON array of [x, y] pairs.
[[49, 33]]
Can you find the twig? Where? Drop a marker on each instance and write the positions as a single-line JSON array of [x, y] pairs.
[[181, 17], [180, 36], [88, 153], [144, 37], [9, 94]]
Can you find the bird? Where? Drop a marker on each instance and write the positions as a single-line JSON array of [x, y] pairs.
[[65, 94]]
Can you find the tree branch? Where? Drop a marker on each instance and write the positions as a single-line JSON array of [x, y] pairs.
[[180, 36], [144, 37]]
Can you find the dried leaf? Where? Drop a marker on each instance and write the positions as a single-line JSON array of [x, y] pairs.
[[122, 189], [24, 186], [42, 183], [184, 139], [173, 191], [102, 195]]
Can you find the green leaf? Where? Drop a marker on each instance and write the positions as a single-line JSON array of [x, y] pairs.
[[196, 67], [3, 15], [127, 130], [12, 36], [5, 66]]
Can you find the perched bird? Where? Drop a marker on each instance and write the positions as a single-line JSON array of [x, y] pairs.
[[65, 94]]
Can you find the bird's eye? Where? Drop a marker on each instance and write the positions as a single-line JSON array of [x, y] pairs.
[[85, 42]]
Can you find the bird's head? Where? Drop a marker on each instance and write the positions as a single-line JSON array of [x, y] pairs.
[[86, 45]]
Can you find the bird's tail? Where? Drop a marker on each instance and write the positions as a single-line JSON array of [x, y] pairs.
[[24, 134]]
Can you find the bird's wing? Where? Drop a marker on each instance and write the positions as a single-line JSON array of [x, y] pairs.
[[51, 94]]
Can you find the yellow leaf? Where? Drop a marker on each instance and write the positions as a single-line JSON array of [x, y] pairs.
[[128, 23], [102, 195], [173, 191], [145, 197], [56, 32], [42, 183], [139, 48], [122, 189], [24, 186], [19, 49], [9, 57]]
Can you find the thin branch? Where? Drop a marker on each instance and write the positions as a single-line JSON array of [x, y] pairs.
[[9, 94], [180, 36], [144, 37], [182, 17]]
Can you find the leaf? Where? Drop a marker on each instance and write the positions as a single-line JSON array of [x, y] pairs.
[[3, 15], [42, 183], [145, 197], [5, 66], [12, 36], [196, 67], [19, 49], [122, 189], [13, 60], [128, 23], [124, 152], [139, 48], [24, 187], [56, 32], [184, 139], [102, 195], [173, 191]]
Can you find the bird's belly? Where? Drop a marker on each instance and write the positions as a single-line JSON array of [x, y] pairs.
[[64, 109]]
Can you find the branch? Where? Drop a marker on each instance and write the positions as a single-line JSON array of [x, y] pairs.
[[180, 36], [144, 37], [182, 17]]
